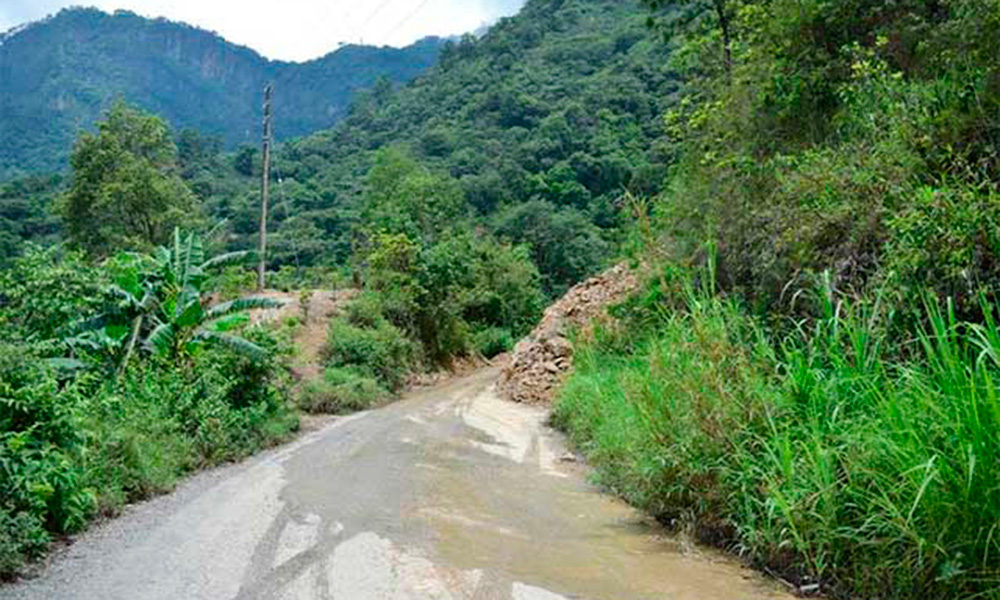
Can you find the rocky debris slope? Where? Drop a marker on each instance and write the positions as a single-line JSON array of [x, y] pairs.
[[541, 361]]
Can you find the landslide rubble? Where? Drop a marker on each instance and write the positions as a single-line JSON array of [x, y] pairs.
[[541, 361]]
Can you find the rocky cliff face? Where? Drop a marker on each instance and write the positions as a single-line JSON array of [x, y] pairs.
[[57, 75]]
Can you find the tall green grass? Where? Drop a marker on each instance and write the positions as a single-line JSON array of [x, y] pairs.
[[832, 453]]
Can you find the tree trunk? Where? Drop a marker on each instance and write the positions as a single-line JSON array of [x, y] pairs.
[[727, 41]]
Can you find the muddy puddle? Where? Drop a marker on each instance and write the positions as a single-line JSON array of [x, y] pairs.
[[499, 491]]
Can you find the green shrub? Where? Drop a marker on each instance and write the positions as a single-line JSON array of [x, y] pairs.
[[342, 391], [382, 352], [438, 294], [45, 291], [40, 444], [233, 282], [140, 444], [366, 310], [290, 279], [492, 341], [506, 292], [89, 443], [22, 536]]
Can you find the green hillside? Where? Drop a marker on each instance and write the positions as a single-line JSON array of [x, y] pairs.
[[57, 75], [542, 125]]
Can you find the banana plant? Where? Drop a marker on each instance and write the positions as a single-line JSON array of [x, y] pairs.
[[158, 303], [181, 322]]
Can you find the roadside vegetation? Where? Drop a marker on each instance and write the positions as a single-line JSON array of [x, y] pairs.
[[809, 378], [117, 376], [825, 453]]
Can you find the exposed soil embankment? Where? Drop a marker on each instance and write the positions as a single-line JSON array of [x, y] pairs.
[[310, 337], [541, 361]]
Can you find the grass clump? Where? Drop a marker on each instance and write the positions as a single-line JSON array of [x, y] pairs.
[[825, 452], [342, 391]]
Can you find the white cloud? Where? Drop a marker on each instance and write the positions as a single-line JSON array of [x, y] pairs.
[[297, 29]]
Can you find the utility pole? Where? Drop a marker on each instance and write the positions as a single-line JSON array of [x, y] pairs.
[[264, 184]]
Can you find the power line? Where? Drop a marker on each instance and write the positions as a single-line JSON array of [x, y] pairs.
[[371, 17], [345, 19], [406, 20], [354, 7]]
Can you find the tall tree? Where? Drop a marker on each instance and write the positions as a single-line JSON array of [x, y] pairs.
[[127, 192], [723, 12]]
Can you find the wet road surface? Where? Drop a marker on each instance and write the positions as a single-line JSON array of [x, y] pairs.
[[449, 494]]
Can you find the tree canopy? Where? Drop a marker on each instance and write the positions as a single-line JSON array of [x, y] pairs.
[[127, 192]]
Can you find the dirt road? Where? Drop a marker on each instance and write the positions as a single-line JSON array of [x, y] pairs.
[[449, 494]]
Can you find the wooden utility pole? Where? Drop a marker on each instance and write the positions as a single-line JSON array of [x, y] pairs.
[[264, 184]]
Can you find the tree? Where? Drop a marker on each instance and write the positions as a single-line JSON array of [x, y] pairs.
[[243, 162], [402, 196], [182, 322], [126, 192], [564, 244], [724, 11]]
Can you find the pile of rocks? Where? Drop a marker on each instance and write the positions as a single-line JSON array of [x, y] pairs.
[[541, 361]]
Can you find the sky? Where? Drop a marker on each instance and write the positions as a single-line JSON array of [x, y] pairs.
[[296, 30]]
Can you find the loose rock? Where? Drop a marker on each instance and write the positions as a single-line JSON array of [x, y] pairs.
[[541, 361]]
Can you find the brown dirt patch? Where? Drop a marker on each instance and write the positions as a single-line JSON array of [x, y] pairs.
[[310, 336]]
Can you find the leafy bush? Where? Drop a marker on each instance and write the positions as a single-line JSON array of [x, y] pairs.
[[382, 352], [506, 289], [22, 536], [439, 293], [342, 391], [492, 341], [288, 278], [41, 440], [46, 290]]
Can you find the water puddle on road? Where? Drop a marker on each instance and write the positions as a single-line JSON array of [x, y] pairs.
[[454, 494], [498, 498]]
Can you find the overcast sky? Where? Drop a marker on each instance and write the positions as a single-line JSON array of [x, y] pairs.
[[296, 29]]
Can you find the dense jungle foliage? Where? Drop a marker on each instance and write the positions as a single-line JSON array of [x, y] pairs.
[[810, 376], [540, 126], [57, 76], [116, 379]]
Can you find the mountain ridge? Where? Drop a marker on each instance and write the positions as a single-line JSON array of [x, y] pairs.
[[58, 74]]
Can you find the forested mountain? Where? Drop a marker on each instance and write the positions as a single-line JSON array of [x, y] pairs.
[[541, 125], [57, 75]]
